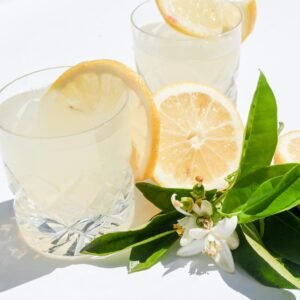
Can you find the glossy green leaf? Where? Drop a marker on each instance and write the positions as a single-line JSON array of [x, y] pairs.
[[260, 138], [296, 211], [237, 196], [252, 231], [282, 236], [261, 265], [272, 197], [160, 226], [145, 256], [161, 197], [293, 268]]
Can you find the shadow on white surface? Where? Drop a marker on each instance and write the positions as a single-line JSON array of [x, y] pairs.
[[20, 264], [240, 281], [246, 285], [199, 265]]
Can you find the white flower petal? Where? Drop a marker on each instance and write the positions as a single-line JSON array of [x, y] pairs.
[[193, 248], [224, 228], [198, 233], [183, 222], [197, 209], [186, 238], [210, 237], [233, 241], [224, 258], [176, 203], [205, 210]]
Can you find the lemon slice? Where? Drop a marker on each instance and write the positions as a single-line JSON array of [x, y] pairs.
[[96, 85], [201, 135], [288, 148], [249, 9], [204, 18]]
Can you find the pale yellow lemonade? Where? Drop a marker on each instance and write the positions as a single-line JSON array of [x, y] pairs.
[[165, 56], [69, 169]]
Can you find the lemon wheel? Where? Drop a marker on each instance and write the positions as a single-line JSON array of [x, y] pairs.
[[93, 85], [201, 135]]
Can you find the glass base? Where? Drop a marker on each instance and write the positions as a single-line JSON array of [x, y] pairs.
[[51, 237], [62, 231]]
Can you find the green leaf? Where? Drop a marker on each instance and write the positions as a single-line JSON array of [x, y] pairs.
[[251, 230], [293, 268], [282, 236], [296, 211], [145, 256], [260, 138], [237, 196], [273, 196], [260, 264], [161, 197], [160, 226]]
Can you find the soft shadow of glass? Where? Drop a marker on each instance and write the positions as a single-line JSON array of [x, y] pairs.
[[20, 264]]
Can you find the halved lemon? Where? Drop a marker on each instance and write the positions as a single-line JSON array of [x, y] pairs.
[[288, 148], [95, 85], [204, 18], [201, 135]]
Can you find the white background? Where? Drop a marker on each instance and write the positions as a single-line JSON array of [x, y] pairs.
[[38, 34]]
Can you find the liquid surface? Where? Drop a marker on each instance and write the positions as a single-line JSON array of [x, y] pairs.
[[29, 114], [165, 56]]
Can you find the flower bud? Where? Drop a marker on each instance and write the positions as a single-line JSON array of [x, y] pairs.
[[203, 209], [187, 203]]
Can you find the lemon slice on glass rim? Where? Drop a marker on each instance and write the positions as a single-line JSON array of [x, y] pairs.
[[80, 87], [205, 18]]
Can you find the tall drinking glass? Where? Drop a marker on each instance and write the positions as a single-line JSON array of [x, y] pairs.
[[164, 56], [68, 189]]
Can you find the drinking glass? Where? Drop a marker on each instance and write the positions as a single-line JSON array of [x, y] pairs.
[[164, 56], [68, 189]]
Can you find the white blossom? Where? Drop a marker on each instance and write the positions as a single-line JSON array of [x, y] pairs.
[[216, 242], [203, 210]]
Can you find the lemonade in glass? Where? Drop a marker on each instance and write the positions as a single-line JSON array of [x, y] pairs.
[[165, 56], [69, 168]]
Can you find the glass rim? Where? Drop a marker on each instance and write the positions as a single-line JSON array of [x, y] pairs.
[[220, 35], [40, 138]]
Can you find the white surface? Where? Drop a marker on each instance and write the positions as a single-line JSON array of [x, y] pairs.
[[38, 34]]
